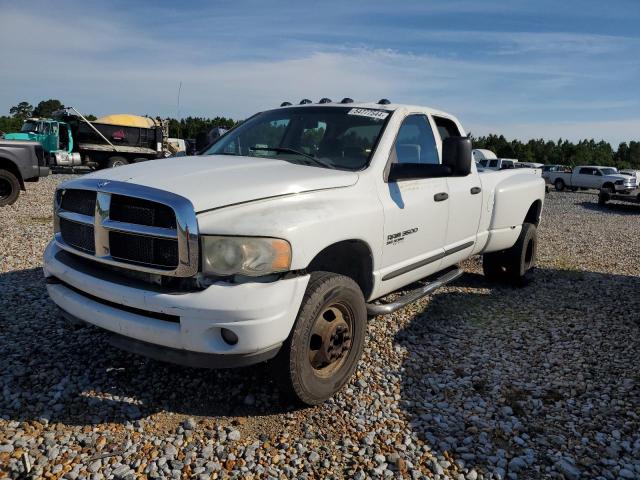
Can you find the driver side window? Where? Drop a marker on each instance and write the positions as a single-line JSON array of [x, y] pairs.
[[415, 142]]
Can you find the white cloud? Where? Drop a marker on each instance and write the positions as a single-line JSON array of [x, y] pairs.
[[103, 64]]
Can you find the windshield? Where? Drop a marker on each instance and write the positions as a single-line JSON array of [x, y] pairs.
[[29, 126], [608, 171], [331, 137]]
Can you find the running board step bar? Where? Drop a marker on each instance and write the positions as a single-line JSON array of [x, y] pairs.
[[413, 295]]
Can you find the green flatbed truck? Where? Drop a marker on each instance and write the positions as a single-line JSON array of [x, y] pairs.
[[70, 140]]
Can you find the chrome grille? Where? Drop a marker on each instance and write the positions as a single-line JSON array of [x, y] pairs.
[[142, 212], [78, 235], [79, 201], [144, 250], [127, 225]]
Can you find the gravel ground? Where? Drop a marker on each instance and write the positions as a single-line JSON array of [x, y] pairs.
[[476, 381]]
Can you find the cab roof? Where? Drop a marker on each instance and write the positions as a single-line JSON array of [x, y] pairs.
[[390, 107]]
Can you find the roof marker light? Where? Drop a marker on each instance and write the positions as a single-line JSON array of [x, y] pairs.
[[383, 101], [305, 101], [285, 104], [346, 100], [325, 100]]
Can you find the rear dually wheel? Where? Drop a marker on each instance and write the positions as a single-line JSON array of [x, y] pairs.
[[514, 264]]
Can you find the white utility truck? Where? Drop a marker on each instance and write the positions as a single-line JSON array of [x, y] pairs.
[[280, 240], [586, 177]]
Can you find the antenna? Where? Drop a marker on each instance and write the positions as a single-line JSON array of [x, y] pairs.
[[178, 109], [178, 106]]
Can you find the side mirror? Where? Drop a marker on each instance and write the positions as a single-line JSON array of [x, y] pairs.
[[456, 154], [414, 171]]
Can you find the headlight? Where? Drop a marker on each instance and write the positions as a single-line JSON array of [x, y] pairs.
[[251, 256]]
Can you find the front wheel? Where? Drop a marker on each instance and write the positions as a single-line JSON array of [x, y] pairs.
[[114, 162], [9, 188], [513, 264], [327, 339], [609, 188], [603, 198]]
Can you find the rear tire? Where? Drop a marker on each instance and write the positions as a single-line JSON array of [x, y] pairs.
[[514, 264], [9, 188], [114, 162], [326, 342], [559, 184]]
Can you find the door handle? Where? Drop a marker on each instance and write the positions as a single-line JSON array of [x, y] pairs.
[[475, 190], [440, 197]]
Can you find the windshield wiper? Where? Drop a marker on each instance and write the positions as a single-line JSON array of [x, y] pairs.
[[293, 151]]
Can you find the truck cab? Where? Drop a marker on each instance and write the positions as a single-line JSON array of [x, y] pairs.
[[54, 136]]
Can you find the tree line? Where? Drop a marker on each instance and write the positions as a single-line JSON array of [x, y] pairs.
[[562, 151], [188, 127]]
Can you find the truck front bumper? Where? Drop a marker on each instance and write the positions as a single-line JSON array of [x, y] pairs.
[[180, 327]]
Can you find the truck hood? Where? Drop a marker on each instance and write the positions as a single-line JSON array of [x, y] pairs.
[[214, 181], [21, 136], [617, 176]]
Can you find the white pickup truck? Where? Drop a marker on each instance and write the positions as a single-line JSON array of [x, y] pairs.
[[279, 241], [606, 178]]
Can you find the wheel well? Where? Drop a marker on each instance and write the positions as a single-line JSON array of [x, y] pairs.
[[533, 215], [12, 167], [607, 184], [351, 258]]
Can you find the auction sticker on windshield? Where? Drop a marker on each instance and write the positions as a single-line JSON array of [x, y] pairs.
[[365, 112]]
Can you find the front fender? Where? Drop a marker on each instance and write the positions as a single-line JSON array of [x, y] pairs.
[[21, 155], [310, 221]]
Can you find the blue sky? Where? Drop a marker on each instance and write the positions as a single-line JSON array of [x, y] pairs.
[[527, 69]]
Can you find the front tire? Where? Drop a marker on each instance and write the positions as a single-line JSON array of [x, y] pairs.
[[9, 188], [603, 198], [514, 264], [609, 188], [326, 341], [114, 162]]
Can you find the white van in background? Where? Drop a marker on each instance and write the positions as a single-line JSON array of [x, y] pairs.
[[498, 163], [489, 161]]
